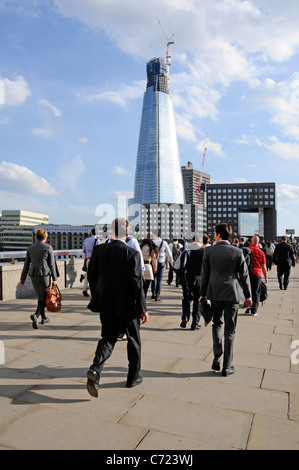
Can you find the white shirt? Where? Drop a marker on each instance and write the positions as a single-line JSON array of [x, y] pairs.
[[163, 248]]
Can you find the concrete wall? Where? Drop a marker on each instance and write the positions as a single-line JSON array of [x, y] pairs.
[[70, 271]]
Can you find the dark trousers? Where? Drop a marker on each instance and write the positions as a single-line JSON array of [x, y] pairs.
[[40, 310], [255, 282], [110, 330], [170, 277], [228, 311], [146, 284], [283, 274], [269, 262], [190, 299], [40, 285]]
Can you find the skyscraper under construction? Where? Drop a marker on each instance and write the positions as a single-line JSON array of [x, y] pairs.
[[158, 177]]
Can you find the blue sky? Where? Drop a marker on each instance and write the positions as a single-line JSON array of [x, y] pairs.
[[72, 78]]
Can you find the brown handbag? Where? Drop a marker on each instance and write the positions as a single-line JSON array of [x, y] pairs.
[[53, 299]]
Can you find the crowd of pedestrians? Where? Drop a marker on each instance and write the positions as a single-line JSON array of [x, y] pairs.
[[120, 271]]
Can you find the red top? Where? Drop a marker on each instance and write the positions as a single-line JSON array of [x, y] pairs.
[[258, 258]]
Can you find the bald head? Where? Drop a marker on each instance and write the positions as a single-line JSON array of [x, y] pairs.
[[255, 240]]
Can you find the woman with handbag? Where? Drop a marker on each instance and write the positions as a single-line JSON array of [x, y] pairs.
[[149, 252], [40, 264]]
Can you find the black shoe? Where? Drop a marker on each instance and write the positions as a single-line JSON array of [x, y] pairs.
[[85, 293], [280, 286], [153, 297], [133, 383], [216, 364], [82, 277], [183, 324], [45, 320], [92, 383], [229, 371], [34, 320], [121, 336], [195, 327]]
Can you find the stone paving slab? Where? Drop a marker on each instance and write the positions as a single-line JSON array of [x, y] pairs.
[[181, 403]]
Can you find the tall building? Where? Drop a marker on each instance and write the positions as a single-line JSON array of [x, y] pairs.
[[16, 229], [158, 177], [191, 180]]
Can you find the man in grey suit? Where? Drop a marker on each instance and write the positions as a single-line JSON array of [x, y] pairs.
[[224, 281]]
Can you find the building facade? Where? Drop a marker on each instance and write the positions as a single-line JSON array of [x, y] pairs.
[[250, 208], [17, 227], [66, 237]]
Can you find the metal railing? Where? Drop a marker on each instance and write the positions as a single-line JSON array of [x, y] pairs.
[[59, 254]]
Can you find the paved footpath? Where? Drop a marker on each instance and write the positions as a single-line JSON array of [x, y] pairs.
[[181, 404]]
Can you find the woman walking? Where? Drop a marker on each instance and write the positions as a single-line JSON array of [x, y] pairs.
[[149, 252], [40, 264]]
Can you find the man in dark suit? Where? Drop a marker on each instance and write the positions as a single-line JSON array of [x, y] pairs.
[[284, 258], [190, 280], [116, 285], [224, 281]]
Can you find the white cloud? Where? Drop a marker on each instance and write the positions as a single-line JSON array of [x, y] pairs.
[[6, 121], [15, 91], [285, 150], [71, 172], [121, 96], [44, 133], [83, 140], [288, 193], [280, 100], [19, 179], [213, 147], [54, 109], [121, 171]]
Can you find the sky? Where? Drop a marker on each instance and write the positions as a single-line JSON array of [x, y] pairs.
[[72, 79]]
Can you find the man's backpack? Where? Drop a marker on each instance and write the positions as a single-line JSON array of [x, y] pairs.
[[175, 252], [181, 263]]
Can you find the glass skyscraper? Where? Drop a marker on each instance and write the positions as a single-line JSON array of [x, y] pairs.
[[158, 177]]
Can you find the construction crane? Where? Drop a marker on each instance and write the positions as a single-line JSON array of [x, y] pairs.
[[169, 42], [200, 176]]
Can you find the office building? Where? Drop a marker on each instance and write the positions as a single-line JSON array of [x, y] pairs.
[[250, 208], [64, 236], [16, 229]]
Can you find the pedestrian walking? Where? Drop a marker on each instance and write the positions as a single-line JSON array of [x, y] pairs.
[[41, 267], [175, 248], [88, 246], [116, 286], [284, 258], [269, 251], [149, 252], [190, 280], [258, 265], [225, 282], [163, 252]]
